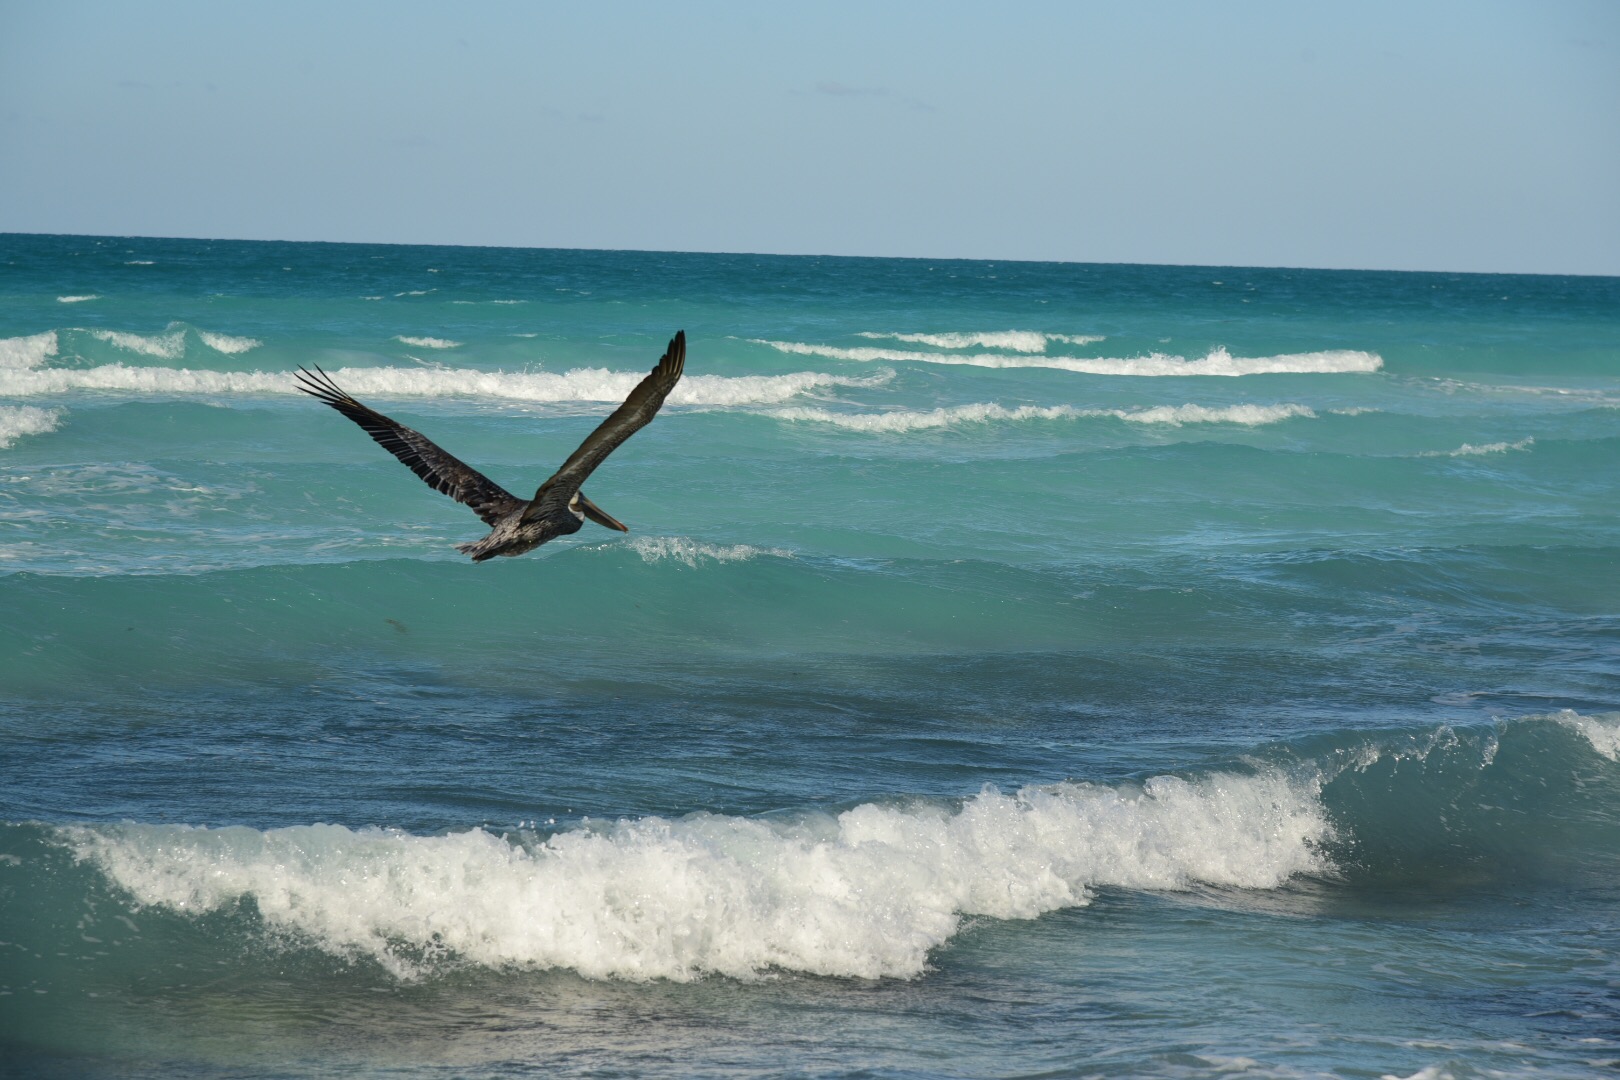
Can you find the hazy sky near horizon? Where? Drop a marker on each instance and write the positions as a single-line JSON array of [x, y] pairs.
[[1477, 136]]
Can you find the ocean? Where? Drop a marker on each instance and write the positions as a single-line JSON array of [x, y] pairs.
[[1013, 670]]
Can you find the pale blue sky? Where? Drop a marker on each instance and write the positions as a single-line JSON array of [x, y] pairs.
[[1450, 136]]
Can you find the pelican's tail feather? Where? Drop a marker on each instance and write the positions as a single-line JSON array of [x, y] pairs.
[[480, 549]]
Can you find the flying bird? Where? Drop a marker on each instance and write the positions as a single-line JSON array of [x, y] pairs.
[[559, 507]]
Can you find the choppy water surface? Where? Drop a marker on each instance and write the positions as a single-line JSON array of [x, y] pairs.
[[1014, 669]]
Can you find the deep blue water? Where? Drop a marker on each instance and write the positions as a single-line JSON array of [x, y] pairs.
[[1013, 670]]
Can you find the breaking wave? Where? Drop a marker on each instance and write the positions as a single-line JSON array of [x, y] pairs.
[[901, 420], [864, 893], [17, 421], [583, 384], [228, 344], [1470, 450], [872, 890], [169, 345], [1023, 341], [27, 352], [655, 549], [1216, 362], [428, 342]]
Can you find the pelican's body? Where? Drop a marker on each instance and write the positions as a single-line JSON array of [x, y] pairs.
[[512, 535], [559, 507]]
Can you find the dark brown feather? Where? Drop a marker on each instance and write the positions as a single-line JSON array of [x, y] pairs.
[[636, 413], [442, 472]]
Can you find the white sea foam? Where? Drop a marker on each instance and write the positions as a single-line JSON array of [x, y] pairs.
[[866, 893], [1247, 415], [77, 299], [583, 384], [1217, 362], [655, 549], [227, 344], [428, 342], [1470, 450], [27, 352], [19, 420], [169, 345], [1602, 731], [901, 420], [1023, 341]]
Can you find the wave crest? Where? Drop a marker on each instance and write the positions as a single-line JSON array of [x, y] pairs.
[[582, 384], [1470, 450], [1217, 362], [901, 420], [866, 893], [428, 342], [17, 421], [1022, 341], [228, 344], [27, 352], [169, 345], [654, 549], [1602, 732]]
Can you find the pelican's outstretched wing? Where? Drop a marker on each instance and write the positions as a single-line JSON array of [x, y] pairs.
[[636, 413], [442, 472]]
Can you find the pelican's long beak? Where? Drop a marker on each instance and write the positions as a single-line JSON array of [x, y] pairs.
[[595, 513]]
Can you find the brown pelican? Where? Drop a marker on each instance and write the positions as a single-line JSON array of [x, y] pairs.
[[559, 507]]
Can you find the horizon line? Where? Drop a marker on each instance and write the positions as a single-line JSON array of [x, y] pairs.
[[807, 255]]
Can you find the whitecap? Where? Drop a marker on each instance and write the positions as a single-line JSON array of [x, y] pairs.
[[582, 384], [428, 342], [1022, 341], [27, 352], [655, 549], [17, 421], [78, 299], [1602, 732], [1247, 415], [1216, 362], [228, 344], [169, 345], [1470, 450], [901, 420], [866, 893]]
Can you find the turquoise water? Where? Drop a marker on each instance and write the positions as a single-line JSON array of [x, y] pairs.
[[1013, 669]]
